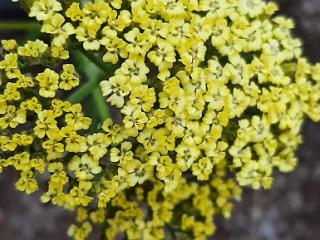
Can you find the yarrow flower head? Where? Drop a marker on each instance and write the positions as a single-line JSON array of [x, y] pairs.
[[205, 97]]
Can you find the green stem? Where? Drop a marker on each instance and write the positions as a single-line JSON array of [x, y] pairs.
[[106, 68], [82, 92], [91, 86], [100, 103], [19, 26]]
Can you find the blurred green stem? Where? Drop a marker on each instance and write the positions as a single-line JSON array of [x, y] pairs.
[[82, 92], [100, 103], [24, 26], [106, 68], [91, 87]]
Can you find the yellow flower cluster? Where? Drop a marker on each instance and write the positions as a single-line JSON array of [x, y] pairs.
[[209, 95]]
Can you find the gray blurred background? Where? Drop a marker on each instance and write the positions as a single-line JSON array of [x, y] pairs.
[[290, 211]]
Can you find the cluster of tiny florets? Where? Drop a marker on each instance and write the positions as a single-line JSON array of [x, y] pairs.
[[209, 97]]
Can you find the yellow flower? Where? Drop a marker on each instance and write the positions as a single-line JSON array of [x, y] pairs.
[[44, 9], [32, 49], [46, 124], [205, 95], [138, 43], [164, 56], [106, 195], [55, 25], [137, 120], [68, 77], [115, 48], [59, 52], [98, 11], [54, 147], [135, 69], [86, 32], [97, 145], [74, 12], [9, 62], [118, 87], [216, 94], [168, 172], [9, 45], [13, 117], [143, 96], [74, 142], [251, 7], [84, 167], [27, 183], [75, 118], [80, 232], [202, 169], [48, 82], [123, 154], [186, 155]]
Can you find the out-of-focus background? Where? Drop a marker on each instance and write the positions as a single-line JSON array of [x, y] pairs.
[[290, 211]]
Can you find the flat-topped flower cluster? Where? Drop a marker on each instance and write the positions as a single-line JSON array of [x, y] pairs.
[[210, 97]]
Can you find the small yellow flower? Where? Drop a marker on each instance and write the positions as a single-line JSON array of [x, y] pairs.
[[9, 62], [9, 45], [48, 82], [56, 25], [122, 154], [84, 167], [46, 124], [32, 49], [74, 142], [135, 69], [44, 9], [86, 32], [143, 96], [74, 12], [68, 77], [202, 169], [75, 118], [138, 43], [54, 147], [27, 183], [80, 232], [115, 48], [13, 117], [137, 120], [97, 144], [117, 87]]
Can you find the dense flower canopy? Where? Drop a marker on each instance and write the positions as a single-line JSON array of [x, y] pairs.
[[208, 97]]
